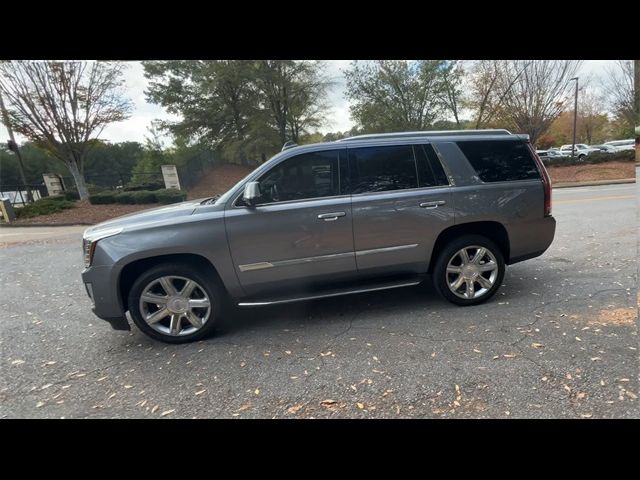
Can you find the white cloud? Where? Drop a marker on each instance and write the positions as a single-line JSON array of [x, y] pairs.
[[135, 128]]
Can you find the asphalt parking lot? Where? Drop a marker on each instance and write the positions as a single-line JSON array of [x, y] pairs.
[[559, 340]]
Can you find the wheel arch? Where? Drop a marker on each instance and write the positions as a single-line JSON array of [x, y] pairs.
[[132, 270], [494, 231]]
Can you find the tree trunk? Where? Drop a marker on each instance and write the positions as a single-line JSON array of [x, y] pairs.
[[78, 178]]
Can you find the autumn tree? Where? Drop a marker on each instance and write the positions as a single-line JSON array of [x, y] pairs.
[[64, 106]]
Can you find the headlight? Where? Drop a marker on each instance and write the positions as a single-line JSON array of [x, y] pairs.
[[90, 239]]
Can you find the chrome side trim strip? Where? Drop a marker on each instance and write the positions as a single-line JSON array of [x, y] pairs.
[[327, 295], [255, 266], [385, 249], [296, 261]]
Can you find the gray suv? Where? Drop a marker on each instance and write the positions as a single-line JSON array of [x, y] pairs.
[[364, 213]]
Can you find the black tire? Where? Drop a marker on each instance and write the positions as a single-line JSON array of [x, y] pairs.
[[440, 276], [206, 281], [581, 158]]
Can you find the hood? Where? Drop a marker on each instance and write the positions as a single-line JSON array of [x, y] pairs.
[[152, 215]]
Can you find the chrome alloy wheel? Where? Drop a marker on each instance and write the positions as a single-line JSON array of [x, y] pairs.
[[471, 272], [175, 306]]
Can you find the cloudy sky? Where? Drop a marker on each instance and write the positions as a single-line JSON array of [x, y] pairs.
[[135, 128]]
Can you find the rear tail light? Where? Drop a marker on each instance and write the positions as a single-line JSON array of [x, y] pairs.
[[546, 181]]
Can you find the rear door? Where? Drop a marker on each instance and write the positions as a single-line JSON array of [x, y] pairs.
[[401, 201]]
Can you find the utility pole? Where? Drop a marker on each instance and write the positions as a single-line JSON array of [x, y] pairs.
[[13, 146], [575, 119]]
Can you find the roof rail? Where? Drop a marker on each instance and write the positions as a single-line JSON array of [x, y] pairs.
[[435, 133], [288, 144]]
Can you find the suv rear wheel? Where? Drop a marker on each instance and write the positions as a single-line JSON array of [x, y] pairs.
[[175, 303], [469, 270]]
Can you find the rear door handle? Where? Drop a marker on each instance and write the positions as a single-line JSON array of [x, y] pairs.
[[432, 204], [330, 217]]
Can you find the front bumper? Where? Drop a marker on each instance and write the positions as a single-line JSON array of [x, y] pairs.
[[102, 289]]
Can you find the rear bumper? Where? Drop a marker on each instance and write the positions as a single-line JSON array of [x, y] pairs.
[[103, 293], [531, 240]]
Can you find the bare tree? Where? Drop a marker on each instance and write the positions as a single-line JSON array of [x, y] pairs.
[[64, 106], [537, 97], [618, 84], [491, 81]]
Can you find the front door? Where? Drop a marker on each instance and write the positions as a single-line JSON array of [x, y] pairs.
[[401, 202], [300, 233]]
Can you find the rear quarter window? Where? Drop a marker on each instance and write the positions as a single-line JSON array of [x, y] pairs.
[[500, 161]]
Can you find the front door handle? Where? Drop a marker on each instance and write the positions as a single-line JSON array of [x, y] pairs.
[[330, 217], [432, 204]]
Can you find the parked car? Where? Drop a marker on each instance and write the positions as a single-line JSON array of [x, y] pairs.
[[620, 145], [360, 214], [582, 150], [605, 148]]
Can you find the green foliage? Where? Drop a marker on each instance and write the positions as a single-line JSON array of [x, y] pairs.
[[102, 198], [45, 206], [170, 195], [150, 186], [143, 197], [399, 95], [246, 109]]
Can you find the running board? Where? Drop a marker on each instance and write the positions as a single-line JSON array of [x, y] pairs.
[[332, 293]]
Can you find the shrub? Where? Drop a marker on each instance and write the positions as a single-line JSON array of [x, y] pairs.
[[143, 197], [102, 198], [592, 158], [170, 195], [44, 206], [125, 198], [146, 186]]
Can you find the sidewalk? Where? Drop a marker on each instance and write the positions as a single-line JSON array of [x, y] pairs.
[[593, 183]]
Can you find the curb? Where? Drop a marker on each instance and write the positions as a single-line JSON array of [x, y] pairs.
[[594, 183]]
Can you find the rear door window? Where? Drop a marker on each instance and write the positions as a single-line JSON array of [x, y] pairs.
[[430, 171], [380, 169], [500, 161]]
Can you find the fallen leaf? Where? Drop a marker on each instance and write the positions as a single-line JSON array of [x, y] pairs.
[[244, 407], [537, 345], [288, 352], [294, 409], [167, 412], [128, 386], [155, 409], [578, 339], [242, 364], [112, 395], [325, 354], [144, 402], [509, 355], [580, 395], [327, 403], [17, 362], [39, 404], [257, 391], [476, 350], [566, 387], [496, 357], [102, 378], [44, 387], [200, 392], [593, 359], [360, 405], [375, 358], [52, 362]]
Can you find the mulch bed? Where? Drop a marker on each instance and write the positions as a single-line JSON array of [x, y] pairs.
[[85, 213]]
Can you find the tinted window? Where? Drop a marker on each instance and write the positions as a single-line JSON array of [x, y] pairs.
[[310, 175], [430, 172], [379, 169], [500, 161]]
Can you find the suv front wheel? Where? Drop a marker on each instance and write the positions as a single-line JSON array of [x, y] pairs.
[[469, 270], [175, 303]]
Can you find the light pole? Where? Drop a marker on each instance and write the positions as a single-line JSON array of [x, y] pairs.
[[575, 119]]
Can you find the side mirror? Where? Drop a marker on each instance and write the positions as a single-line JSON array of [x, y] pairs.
[[251, 193]]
